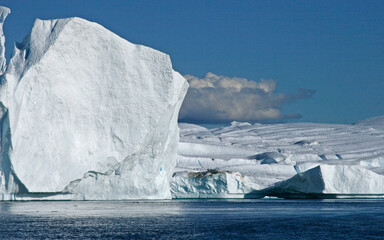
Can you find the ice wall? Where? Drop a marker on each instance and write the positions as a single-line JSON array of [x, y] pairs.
[[212, 184], [90, 113]]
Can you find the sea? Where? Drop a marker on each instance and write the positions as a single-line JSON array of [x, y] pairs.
[[193, 219]]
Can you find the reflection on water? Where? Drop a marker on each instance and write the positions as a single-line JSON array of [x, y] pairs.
[[90, 208], [190, 219]]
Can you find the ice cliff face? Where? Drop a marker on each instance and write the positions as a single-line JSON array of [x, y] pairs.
[[88, 113], [211, 184]]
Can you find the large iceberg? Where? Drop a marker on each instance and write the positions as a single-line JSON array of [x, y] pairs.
[[86, 113]]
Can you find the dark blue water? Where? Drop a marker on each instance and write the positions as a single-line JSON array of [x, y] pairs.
[[181, 219]]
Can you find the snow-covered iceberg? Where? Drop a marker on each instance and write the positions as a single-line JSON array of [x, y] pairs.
[[331, 181], [349, 159], [86, 113]]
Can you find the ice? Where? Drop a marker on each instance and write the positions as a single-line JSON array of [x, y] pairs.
[[331, 179], [268, 154], [3, 15], [211, 184], [375, 122], [89, 114]]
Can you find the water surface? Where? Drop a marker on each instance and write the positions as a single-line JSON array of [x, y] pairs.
[[193, 219]]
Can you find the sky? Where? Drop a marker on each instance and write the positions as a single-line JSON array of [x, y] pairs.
[[257, 61]]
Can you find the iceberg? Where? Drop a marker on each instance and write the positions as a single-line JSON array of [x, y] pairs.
[[331, 181], [88, 115], [285, 160]]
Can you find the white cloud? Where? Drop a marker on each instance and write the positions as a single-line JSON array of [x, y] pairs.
[[216, 98]]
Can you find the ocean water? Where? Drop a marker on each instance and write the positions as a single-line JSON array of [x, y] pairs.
[[193, 219]]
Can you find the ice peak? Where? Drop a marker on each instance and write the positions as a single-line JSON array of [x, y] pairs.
[[4, 11]]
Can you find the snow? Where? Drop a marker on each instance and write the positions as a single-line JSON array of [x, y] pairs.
[[87, 113], [269, 154]]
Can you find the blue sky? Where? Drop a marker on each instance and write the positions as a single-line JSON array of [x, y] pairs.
[[333, 47]]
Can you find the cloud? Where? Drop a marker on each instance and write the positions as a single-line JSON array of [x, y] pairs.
[[216, 98]]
